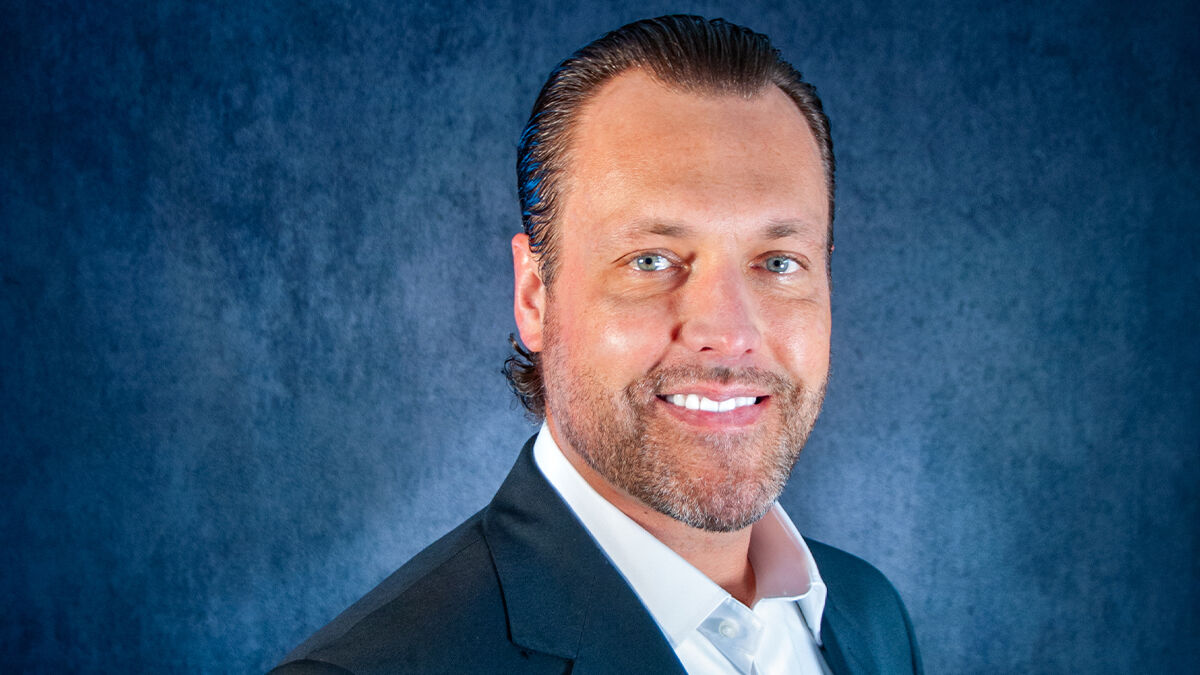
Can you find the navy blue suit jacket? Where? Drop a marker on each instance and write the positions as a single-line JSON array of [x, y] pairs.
[[521, 587]]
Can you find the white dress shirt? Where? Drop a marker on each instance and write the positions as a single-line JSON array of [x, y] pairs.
[[710, 631]]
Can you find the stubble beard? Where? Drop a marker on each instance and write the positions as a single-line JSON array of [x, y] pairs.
[[719, 481]]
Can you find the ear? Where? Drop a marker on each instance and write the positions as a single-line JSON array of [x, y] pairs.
[[529, 293]]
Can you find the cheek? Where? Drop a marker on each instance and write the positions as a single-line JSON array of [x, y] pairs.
[[630, 335], [803, 343]]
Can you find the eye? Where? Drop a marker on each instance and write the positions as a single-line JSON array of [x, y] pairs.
[[782, 264], [651, 262]]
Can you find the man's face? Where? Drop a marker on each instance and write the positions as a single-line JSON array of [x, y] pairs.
[[692, 275]]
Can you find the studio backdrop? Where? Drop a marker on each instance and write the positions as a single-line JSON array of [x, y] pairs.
[[256, 293]]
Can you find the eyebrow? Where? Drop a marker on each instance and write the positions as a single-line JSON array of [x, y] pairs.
[[781, 229], [659, 228]]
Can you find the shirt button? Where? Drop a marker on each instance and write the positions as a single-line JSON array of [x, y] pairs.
[[728, 628]]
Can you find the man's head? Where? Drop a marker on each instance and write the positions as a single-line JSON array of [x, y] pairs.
[[672, 285], [689, 53]]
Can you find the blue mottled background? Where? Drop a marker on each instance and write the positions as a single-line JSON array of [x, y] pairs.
[[256, 288]]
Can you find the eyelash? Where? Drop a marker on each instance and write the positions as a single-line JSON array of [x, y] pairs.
[[635, 263], [779, 256], [667, 262]]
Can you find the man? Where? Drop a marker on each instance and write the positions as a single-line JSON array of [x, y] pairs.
[[672, 291]]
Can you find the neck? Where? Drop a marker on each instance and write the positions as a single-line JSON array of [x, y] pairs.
[[724, 557]]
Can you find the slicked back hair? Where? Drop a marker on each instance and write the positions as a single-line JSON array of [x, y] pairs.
[[687, 53]]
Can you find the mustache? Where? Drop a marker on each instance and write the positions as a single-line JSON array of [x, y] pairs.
[[664, 379]]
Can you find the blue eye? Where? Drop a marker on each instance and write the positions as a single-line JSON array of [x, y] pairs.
[[781, 264], [651, 262]]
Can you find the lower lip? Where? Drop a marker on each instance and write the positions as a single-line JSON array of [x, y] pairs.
[[732, 419]]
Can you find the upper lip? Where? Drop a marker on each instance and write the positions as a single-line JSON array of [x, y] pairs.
[[715, 392]]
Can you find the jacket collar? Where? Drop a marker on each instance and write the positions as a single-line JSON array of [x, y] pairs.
[[839, 637], [561, 594]]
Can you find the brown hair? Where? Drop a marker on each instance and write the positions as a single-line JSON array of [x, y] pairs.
[[687, 52]]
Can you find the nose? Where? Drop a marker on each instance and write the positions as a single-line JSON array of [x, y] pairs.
[[719, 314]]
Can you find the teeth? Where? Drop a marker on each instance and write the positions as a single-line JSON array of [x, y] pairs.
[[697, 402]]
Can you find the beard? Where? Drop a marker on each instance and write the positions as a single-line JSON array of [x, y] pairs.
[[719, 481]]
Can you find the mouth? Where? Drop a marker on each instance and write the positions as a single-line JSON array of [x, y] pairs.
[[705, 404]]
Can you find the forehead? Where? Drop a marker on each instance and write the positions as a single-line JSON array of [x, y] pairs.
[[642, 150]]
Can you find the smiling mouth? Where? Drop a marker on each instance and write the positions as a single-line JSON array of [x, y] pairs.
[[703, 403]]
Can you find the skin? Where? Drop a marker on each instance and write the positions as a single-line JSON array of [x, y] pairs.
[[693, 244]]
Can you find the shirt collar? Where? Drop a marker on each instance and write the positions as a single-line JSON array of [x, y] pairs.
[[678, 595]]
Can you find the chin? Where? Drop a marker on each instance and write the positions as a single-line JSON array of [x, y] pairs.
[[732, 493]]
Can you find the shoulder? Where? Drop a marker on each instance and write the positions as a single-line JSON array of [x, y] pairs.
[[863, 601], [441, 612], [856, 581]]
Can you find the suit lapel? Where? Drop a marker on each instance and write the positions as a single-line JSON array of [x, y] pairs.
[[561, 594], [838, 638]]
